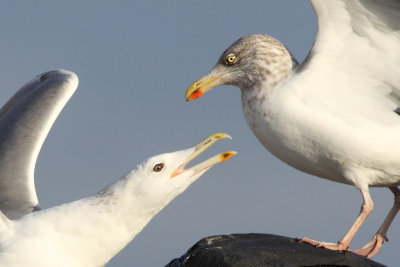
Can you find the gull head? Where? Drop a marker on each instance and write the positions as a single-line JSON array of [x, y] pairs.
[[253, 61], [163, 177]]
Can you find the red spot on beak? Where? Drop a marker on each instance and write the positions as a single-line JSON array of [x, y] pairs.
[[196, 94], [225, 156]]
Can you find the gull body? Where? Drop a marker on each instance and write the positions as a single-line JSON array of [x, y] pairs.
[[336, 115], [86, 232]]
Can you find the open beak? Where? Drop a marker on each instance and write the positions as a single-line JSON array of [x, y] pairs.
[[199, 87], [200, 148]]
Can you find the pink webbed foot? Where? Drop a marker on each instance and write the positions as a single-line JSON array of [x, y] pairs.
[[372, 247], [332, 246]]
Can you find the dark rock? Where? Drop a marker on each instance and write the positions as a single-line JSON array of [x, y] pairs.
[[263, 250]]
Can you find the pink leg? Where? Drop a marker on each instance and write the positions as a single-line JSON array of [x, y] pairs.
[[373, 246], [344, 243]]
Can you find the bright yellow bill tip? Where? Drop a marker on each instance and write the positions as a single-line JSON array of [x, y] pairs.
[[202, 85], [208, 141], [200, 148], [220, 136], [193, 91]]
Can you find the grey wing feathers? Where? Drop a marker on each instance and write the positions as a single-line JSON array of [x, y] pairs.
[[25, 121], [387, 12]]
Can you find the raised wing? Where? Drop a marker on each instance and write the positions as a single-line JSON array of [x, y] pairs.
[[355, 60], [25, 121]]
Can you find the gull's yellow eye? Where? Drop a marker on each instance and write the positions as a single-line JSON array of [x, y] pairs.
[[230, 59]]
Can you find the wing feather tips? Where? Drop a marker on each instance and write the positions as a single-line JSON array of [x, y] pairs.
[[51, 80], [60, 75]]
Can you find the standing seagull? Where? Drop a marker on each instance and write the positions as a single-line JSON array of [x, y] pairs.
[[336, 115], [86, 232]]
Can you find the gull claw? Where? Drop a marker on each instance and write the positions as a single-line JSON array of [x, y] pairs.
[[372, 247], [332, 246]]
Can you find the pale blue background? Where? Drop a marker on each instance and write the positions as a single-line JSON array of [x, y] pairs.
[[134, 61]]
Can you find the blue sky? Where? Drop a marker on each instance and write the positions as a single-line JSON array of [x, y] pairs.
[[134, 61]]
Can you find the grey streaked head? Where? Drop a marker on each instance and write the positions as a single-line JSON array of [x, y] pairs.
[[252, 60]]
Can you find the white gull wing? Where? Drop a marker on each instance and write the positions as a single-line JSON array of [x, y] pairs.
[[25, 121], [355, 60]]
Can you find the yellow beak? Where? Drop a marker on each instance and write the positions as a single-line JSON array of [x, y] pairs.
[[200, 148], [199, 87]]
